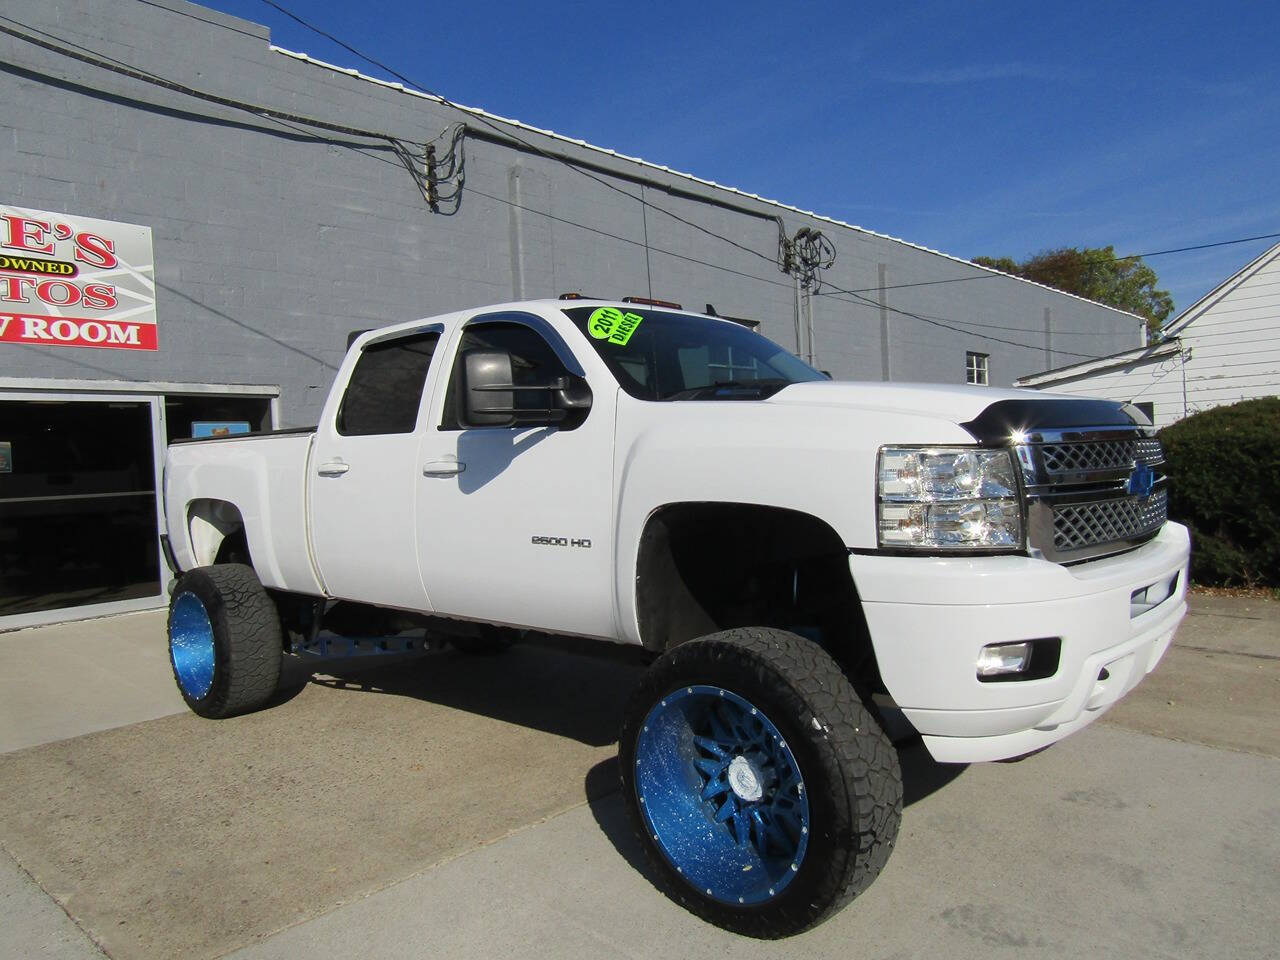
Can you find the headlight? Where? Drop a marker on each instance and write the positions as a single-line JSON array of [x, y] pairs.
[[958, 498]]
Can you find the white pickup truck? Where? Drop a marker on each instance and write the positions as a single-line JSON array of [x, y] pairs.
[[806, 561]]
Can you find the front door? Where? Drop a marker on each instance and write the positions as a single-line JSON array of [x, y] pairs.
[[514, 523], [364, 474]]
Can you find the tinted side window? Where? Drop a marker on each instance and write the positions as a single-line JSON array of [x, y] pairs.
[[386, 386], [532, 362]]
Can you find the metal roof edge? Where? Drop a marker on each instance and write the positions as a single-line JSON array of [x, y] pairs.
[[479, 112], [216, 18], [1151, 351], [1185, 318]]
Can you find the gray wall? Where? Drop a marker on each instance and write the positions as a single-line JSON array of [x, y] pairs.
[[272, 241]]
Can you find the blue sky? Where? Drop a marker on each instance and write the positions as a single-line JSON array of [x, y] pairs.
[[973, 128]]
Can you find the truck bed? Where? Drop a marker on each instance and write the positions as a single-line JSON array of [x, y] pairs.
[[264, 476]]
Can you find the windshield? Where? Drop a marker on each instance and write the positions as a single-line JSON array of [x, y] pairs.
[[672, 356]]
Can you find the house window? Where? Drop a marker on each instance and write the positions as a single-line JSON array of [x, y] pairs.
[[975, 368]]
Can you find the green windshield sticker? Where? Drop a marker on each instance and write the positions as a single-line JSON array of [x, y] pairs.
[[610, 323]]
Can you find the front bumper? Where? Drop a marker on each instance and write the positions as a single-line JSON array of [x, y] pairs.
[[930, 617]]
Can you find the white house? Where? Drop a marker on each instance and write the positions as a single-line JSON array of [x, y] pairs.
[[1222, 349]]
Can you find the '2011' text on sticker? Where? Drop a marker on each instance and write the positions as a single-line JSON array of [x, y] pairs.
[[610, 323]]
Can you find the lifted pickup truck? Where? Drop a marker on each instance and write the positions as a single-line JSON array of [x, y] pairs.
[[805, 561]]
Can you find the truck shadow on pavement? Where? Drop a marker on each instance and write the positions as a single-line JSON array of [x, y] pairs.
[[578, 697], [570, 695], [574, 696]]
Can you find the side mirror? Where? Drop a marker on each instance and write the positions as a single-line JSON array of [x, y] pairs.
[[491, 399]]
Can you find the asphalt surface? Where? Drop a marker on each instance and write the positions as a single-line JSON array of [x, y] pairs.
[[467, 807]]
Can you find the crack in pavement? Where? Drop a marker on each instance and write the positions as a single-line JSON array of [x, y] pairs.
[[1228, 653]]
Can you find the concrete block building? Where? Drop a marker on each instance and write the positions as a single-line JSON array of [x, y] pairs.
[[192, 221]]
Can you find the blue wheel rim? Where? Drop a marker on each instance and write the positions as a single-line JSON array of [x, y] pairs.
[[191, 645], [721, 795]]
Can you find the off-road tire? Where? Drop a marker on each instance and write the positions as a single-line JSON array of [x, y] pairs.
[[849, 767], [246, 639]]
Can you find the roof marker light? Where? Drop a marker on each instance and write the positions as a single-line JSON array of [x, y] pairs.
[[650, 302]]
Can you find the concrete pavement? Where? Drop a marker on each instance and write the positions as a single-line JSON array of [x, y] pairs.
[[1220, 682], [185, 837], [467, 807], [1114, 844], [71, 679], [35, 927]]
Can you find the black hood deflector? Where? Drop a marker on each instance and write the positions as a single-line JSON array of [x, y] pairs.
[[999, 422]]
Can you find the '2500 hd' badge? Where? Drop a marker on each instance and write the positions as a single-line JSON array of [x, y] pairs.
[[561, 542]]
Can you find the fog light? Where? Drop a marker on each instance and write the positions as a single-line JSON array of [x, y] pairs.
[[1000, 658]]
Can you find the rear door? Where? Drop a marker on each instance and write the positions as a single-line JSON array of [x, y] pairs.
[[364, 473]]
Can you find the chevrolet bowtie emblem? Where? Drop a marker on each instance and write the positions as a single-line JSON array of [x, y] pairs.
[[1140, 482]]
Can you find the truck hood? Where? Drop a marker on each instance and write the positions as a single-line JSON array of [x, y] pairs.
[[955, 404], [989, 414]]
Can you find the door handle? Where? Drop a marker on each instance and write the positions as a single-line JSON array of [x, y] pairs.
[[443, 468], [333, 468]]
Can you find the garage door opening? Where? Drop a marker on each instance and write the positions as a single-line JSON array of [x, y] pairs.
[[206, 415], [78, 523]]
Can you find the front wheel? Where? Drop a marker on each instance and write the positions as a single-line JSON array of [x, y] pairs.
[[761, 787], [225, 645]]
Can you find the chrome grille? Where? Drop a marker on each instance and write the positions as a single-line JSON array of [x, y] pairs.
[[1076, 482], [1149, 451], [1060, 458], [1079, 525]]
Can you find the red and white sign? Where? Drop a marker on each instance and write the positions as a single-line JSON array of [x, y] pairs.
[[75, 281]]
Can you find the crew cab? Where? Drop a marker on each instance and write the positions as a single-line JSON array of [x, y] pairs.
[[807, 563]]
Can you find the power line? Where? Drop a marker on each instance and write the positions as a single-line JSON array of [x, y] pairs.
[[1201, 246], [622, 239], [998, 326], [505, 131], [135, 74], [1245, 337], [502, 130], [397, 143], [295, 121], [867, 301], [999, 273], [563, 160]]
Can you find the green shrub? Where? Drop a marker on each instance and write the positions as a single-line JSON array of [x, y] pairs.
[[1224, 483]]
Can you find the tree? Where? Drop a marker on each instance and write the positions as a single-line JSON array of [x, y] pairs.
[[1095, 273]]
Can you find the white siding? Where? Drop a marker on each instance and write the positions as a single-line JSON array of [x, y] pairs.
[[1158, 383], [1230, 352]]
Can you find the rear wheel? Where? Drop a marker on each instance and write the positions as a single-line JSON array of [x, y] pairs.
[[762, 789], [225, 645]]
